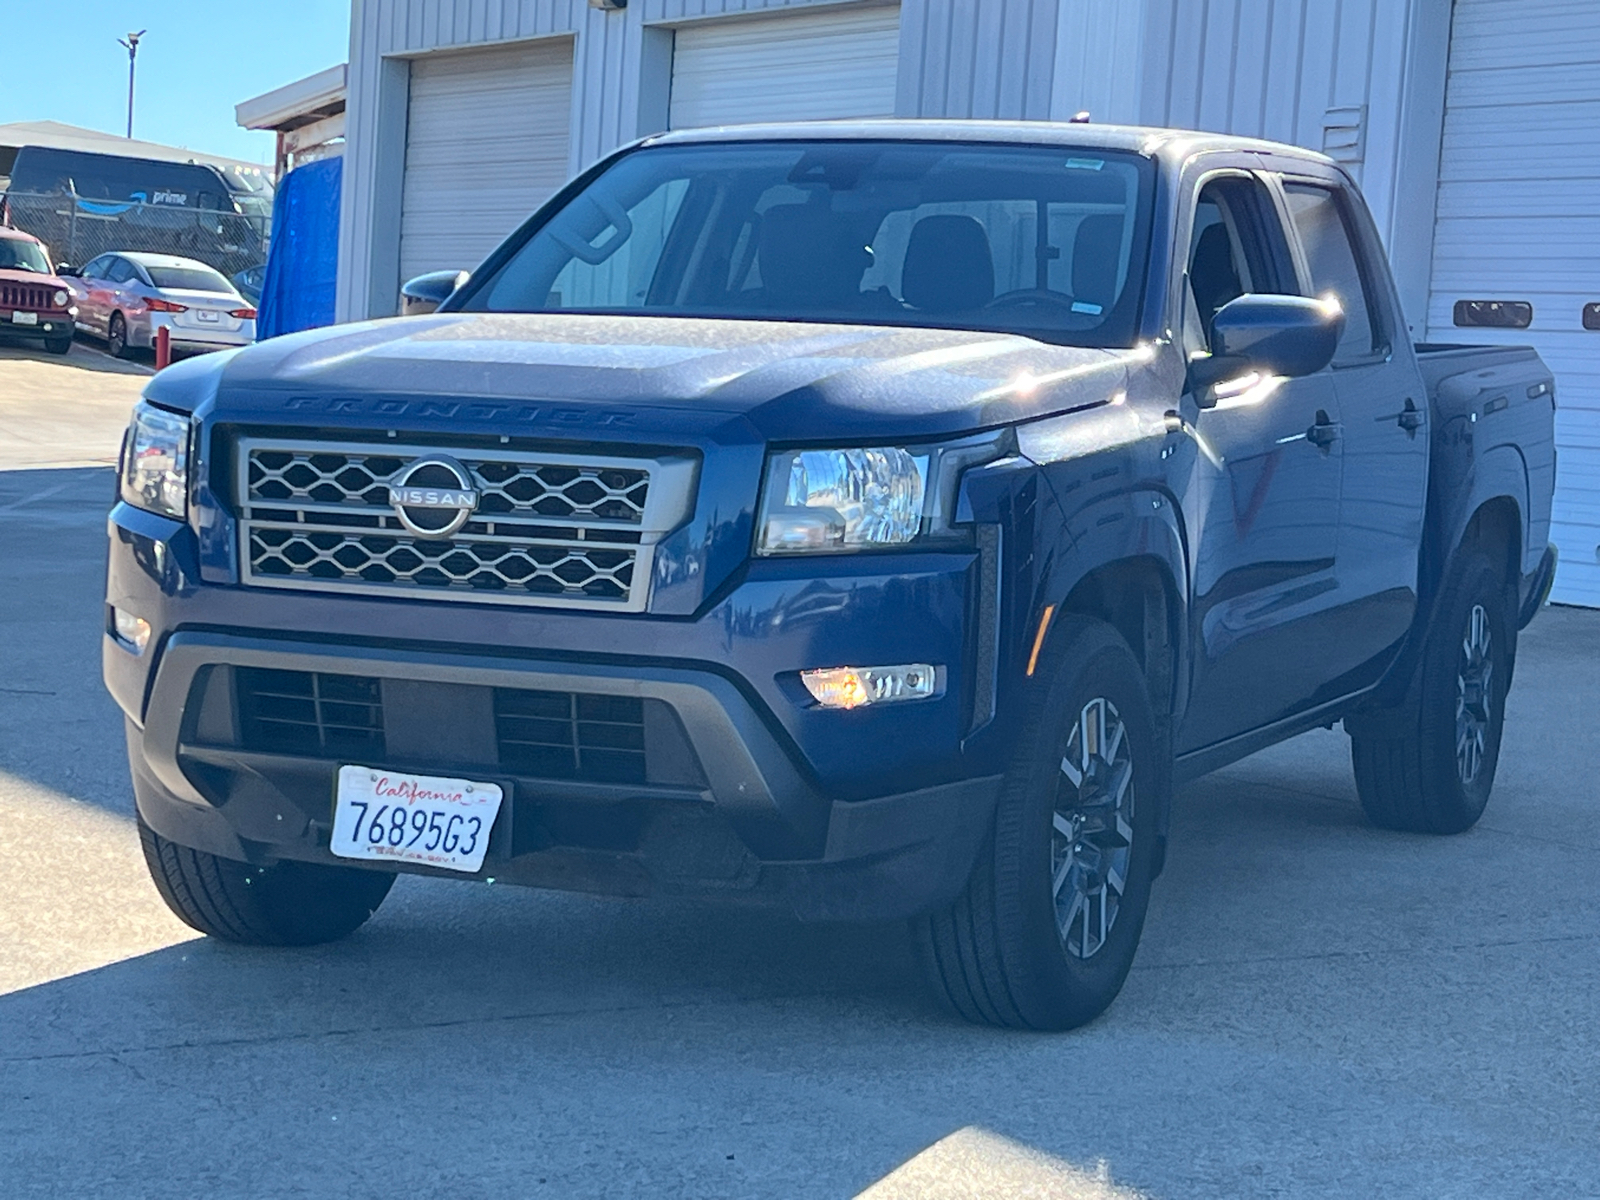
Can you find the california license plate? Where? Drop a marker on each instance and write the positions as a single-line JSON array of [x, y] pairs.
[[24, 318], [208, 315], [389, 816]]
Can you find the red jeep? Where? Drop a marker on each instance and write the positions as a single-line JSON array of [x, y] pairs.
[[34, 301]]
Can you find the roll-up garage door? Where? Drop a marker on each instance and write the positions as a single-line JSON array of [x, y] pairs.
[[1519, 219], [795, 67], [487, 141]]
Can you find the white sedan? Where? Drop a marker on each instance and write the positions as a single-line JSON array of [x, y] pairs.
[[125, 297]]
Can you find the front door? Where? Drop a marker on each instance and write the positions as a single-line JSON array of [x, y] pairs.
[[1263, 510]]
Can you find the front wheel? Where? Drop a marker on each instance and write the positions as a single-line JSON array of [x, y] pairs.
[[58, 345], [286, 904], [1428, 766], [1046, 930]]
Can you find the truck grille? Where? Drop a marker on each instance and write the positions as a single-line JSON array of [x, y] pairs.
[[546, 735], [27, 296], [546, 529], [299, 712]]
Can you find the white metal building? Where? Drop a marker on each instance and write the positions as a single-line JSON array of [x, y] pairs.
[[1469, 125]]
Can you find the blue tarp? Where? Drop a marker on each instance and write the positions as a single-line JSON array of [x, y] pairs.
[[301, 265]]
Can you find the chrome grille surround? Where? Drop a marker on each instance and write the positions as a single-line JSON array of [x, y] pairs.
[[550, 530]]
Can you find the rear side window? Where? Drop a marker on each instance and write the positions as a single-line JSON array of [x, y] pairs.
[[1322, 221], [191, 279], [121, 271]]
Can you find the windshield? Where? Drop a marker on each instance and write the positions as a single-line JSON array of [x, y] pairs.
[[18, 255], [189, 279], [247, 180], [1046, 242]]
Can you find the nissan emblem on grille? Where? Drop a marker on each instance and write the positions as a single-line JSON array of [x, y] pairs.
[[433, 497], [487, 526]]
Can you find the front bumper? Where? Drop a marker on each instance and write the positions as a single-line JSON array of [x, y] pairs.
[[877, 813], [51, 325]]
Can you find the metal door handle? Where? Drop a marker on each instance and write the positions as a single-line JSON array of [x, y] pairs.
[[1408, 418], [1324, 431]]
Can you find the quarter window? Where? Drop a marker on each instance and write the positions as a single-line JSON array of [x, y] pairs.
[[1322, 220]]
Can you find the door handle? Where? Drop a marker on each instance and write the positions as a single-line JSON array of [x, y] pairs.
[[1324, 431], [1408, 418]]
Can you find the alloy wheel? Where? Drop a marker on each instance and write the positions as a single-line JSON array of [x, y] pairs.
[[1091, 843], [1474, 695], [117, 337]]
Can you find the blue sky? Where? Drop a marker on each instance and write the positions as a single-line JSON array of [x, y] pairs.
[[199, 59]]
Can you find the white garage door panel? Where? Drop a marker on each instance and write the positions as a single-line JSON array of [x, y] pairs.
[[1519, 219], [487, 142], [797, 67]]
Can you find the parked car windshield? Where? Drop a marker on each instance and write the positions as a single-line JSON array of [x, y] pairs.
[[18, 255], [1048, 242], [188, 279]]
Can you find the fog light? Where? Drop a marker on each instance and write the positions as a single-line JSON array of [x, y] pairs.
[[851, 687], [133, 632]]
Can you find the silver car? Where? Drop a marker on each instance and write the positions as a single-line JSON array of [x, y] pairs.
[[125, 297]]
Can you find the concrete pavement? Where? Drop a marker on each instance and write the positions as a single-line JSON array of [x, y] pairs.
[[1318, 1009], [67, 410]]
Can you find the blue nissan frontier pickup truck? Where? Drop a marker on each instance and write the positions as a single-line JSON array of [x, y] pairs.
[[874, 518]]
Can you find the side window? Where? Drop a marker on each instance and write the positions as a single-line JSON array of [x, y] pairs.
[[1322, 222], [121, 270], [93, 270], [1236, 246]]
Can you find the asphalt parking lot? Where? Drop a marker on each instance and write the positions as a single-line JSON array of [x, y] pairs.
[[1319, 1009]]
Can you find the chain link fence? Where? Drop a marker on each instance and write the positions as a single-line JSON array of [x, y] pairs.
[[230, 242]]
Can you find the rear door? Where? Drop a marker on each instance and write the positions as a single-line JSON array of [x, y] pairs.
[[1264, 507], [1384, 409]]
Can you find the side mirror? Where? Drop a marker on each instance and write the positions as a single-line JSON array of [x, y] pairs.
[[425, 293], [67, 271], [1277, 335]]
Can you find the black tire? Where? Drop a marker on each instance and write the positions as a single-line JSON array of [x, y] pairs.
[[117, 337], [286, 904], [1003, 953], [58, 345], [1428, 766]]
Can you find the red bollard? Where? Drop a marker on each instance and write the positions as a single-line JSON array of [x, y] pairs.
[[163, 347]]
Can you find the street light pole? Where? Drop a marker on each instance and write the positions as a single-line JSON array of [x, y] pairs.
[[132, 44]]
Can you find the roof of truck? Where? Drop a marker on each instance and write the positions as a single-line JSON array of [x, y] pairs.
[[1087, 135]]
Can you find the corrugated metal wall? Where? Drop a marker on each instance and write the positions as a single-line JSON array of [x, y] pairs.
[[1362, 80], [1364, 77], [959, 58]]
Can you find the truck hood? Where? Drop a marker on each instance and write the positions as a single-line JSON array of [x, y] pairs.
[[788, 380]]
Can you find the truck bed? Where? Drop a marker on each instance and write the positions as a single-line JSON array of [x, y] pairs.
[[1492, 406]]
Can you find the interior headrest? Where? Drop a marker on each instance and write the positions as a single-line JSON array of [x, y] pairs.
[[1096, 254], [809, 256], [948, 265]]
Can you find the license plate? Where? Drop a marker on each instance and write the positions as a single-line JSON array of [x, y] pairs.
[[22, 318], [389, 816], [204, 315]]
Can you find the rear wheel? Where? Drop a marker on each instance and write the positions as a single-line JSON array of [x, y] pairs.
[[1428, 766], [286, 904], [1046, 930], [117, 337]]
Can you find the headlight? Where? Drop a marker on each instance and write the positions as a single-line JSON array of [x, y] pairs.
[[155, 461], [61, 298], [831, 500]]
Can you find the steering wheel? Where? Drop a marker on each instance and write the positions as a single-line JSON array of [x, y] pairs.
[[1031, 297]]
